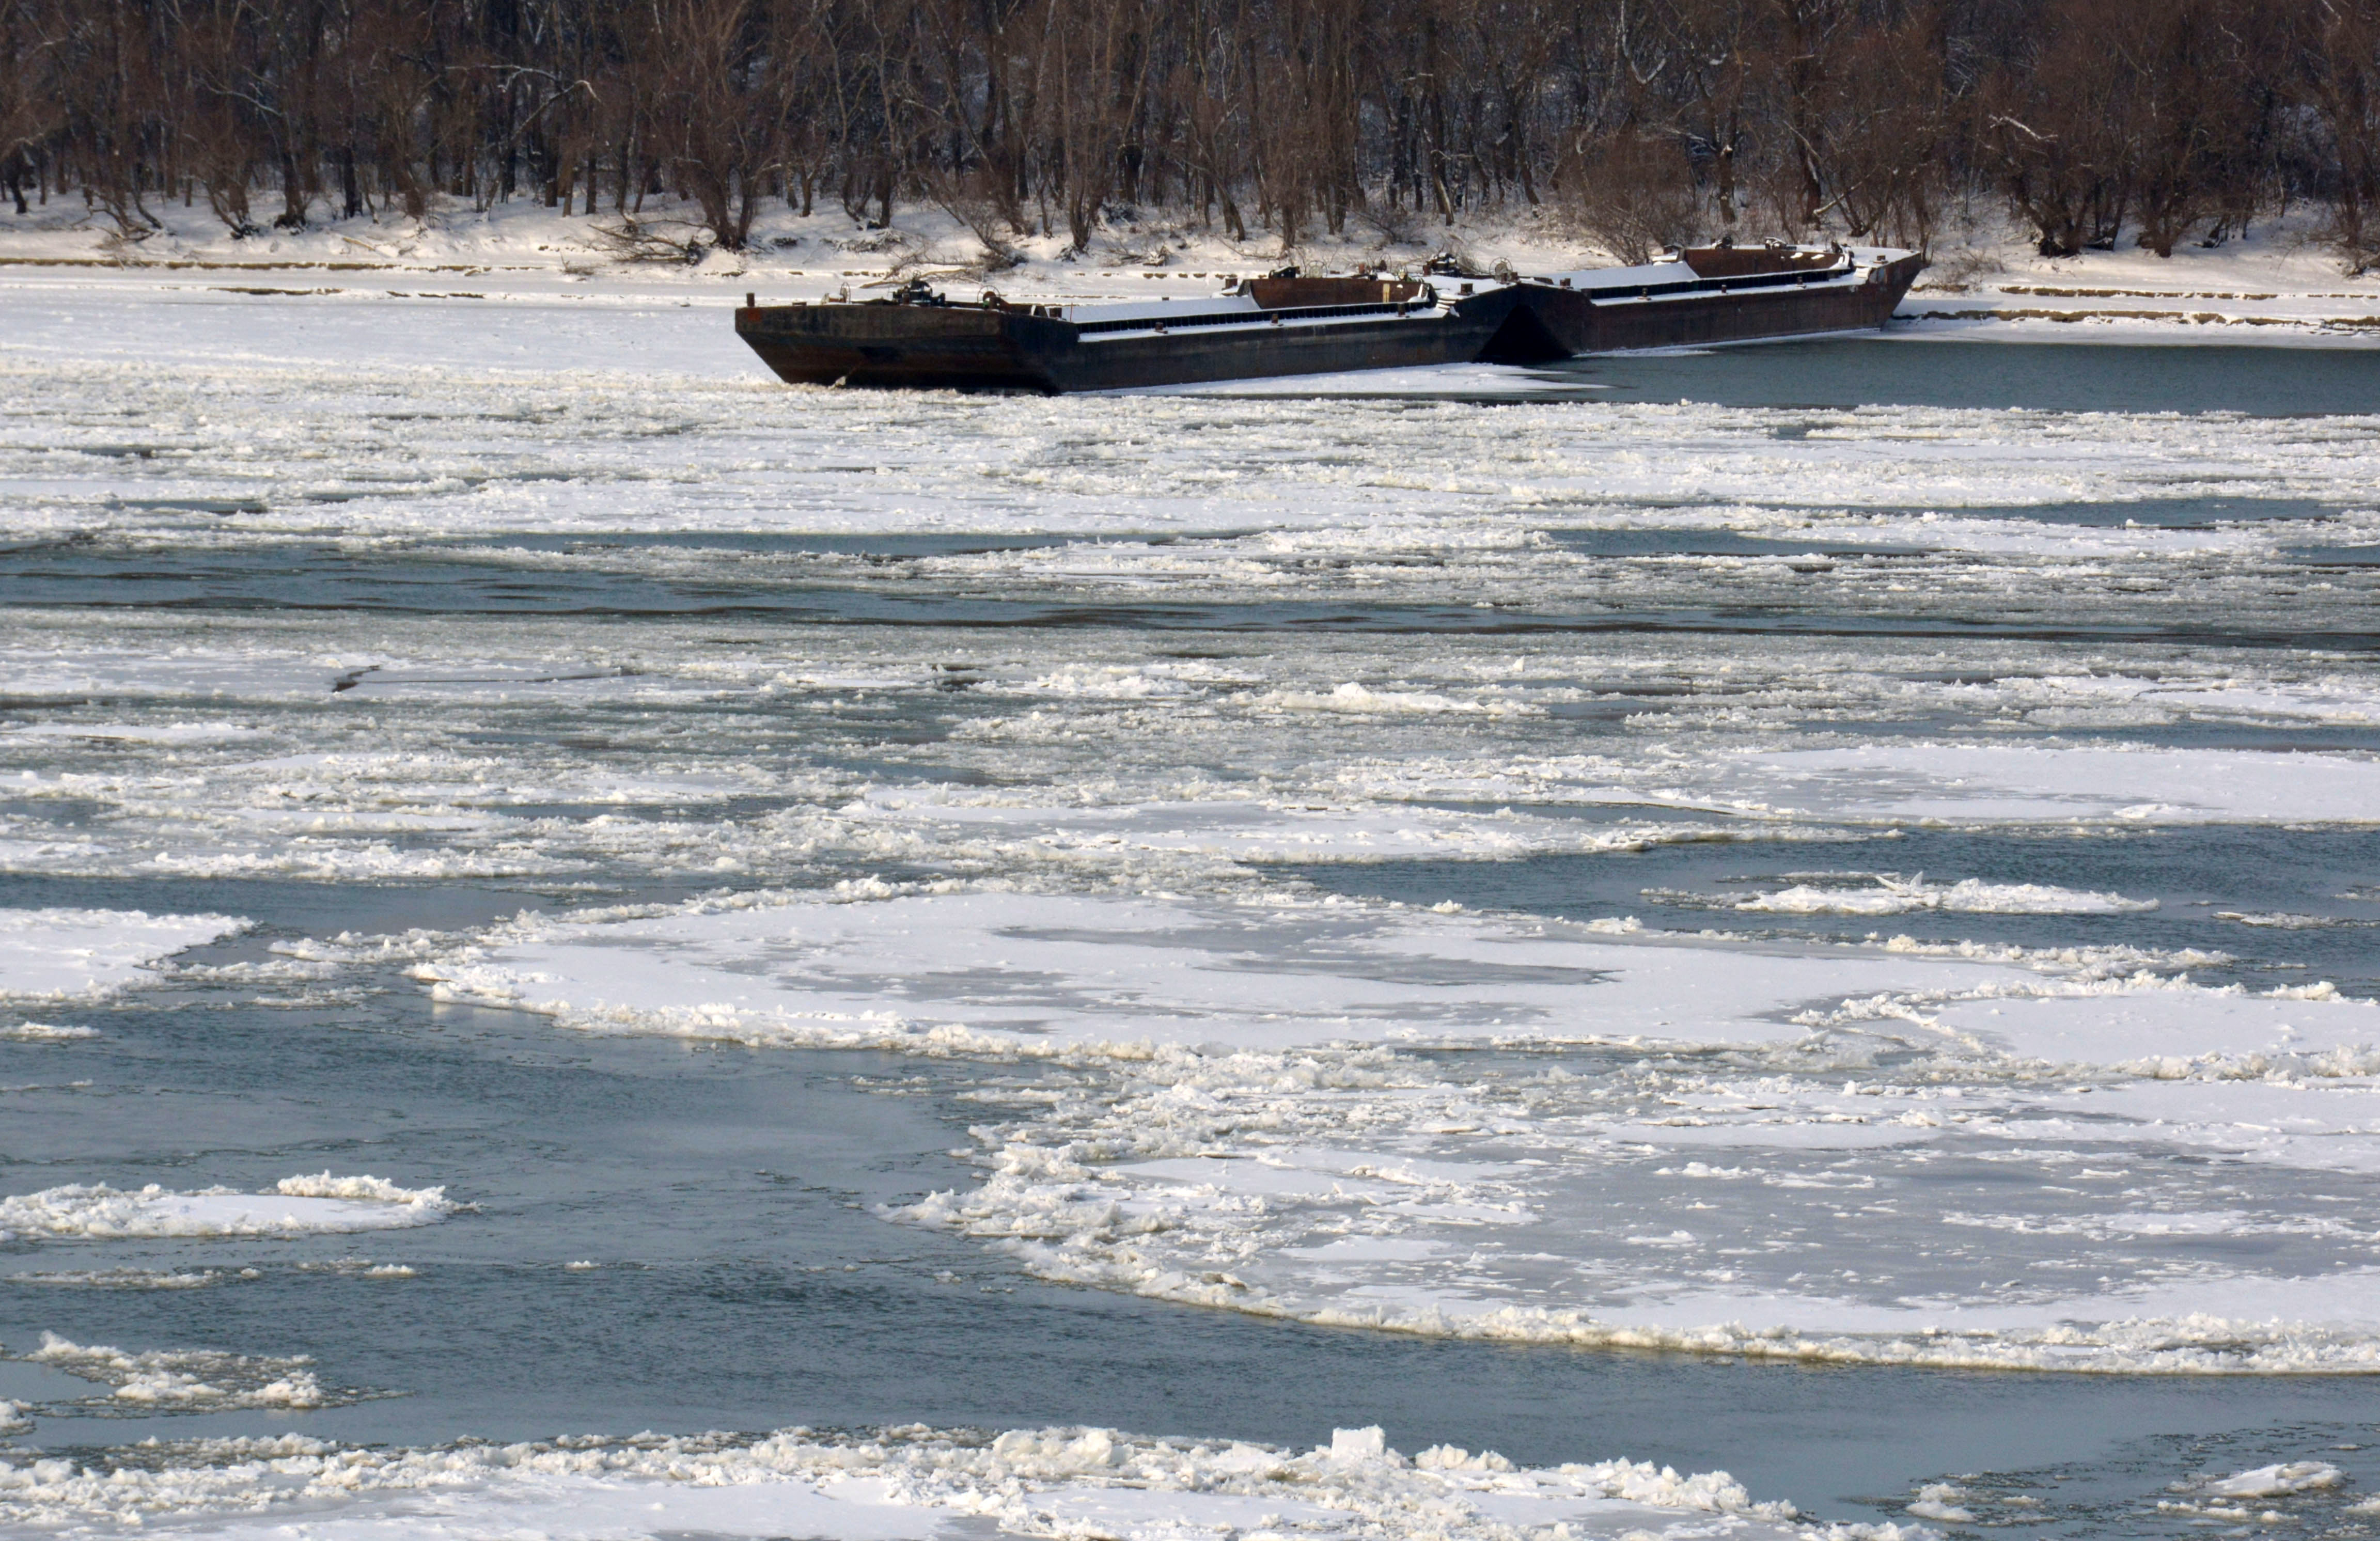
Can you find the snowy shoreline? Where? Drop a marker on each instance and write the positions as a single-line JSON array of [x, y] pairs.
[[2280, 285]]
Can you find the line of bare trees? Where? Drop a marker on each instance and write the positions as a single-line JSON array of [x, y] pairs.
[[1645, 121]]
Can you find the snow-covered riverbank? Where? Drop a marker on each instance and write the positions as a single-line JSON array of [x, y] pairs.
[[2278, 283]]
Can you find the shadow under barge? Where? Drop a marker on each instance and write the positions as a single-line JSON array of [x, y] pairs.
[[1288, 325]]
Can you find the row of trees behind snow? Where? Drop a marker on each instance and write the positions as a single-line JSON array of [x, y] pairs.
[[1644, 121]]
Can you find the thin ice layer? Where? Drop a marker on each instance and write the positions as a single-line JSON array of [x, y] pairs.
[[1960, 783], [1038, 973]]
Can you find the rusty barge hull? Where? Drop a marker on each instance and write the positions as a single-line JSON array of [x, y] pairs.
[[1741, 310], [1289, 325], [1015, 348]]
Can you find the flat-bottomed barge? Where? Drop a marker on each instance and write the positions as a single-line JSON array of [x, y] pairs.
[[1288, 324]]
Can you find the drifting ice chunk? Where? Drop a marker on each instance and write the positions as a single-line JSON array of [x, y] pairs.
[[299, 1205], [1357, 1444], [2271, 1482]]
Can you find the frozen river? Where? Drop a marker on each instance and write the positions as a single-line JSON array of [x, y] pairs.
[[1805, 911]]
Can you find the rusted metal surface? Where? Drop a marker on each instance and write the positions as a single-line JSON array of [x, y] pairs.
[[1280, 293], [1731, 314]]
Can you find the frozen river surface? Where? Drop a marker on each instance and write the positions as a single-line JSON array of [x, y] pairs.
[[593, 945]]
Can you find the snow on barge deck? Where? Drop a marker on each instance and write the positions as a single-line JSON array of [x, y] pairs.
[[1288, 324]]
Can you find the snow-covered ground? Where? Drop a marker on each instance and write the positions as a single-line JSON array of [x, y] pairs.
[[2280, 282]]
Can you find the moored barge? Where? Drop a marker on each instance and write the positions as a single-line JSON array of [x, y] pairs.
[[1292, 325]]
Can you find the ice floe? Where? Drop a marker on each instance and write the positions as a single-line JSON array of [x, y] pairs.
[[296, 1206], [1036, 974], [47, 1032], [63, 955], [1169, 647], [1077, 754], [1473, 1125], [913, 1484], [2267, 1482], [1237, 830], [137, 733], [1963, 782], [127, 1278], [1887, 893], [571, 450], [184, 1380]]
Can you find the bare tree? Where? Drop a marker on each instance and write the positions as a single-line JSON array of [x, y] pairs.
[[719, 111], [2339, 47], [1634, 193], [33, 112], [1646, 119]]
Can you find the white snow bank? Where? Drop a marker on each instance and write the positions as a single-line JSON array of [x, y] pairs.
[[906, 1485], [62, 954], [297, 1207], [2281, 282]]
